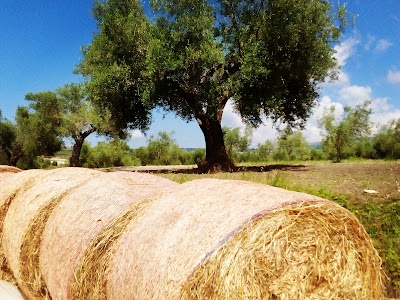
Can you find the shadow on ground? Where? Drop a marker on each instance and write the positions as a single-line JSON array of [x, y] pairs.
[[194, 170]]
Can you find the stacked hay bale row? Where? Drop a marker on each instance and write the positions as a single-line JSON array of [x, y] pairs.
[[81, 234]]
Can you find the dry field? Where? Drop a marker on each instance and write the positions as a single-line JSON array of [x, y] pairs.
[[348, 178]]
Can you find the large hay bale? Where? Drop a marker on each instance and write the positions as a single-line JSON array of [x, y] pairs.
[[215, 239], [26, 218], [82, 214], [10, 188]]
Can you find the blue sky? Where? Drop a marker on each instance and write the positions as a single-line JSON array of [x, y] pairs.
[[41, 40]]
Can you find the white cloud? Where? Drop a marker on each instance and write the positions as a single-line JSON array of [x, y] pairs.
[[342, 53], [137, 134], [381, 105], [230, 118], [345, 50], [393, 76], [355, 94], [382, 45]]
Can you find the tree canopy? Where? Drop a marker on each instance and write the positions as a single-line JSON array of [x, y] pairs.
[[192, 56], [68, 113]]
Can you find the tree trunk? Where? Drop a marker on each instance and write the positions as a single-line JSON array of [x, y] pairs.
[[76, 149], [76, 152], [216, 156], [14, 159]]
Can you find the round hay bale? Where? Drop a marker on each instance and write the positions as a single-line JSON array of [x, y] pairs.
[[11, 188], [215, 239], [26, 219], [6, 171], [77, 221], [9, 169]]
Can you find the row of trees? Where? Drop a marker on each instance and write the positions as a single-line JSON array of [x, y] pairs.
[[190, 57], [348, 135]]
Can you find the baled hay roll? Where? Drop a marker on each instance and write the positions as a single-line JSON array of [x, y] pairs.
[[77, 221], [9, 169], [6, 171], [10, 188], [26, 218], [216, 239]]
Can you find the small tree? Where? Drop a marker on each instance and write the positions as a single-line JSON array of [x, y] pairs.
[[265, 150], [341, 135], [75, 115]]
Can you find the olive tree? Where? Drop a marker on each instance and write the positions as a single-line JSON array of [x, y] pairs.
[[191, 57]]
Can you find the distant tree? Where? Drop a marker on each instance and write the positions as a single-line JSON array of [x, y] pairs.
[[116, 153], [265, 150], [76, 116], [161, 150], [340, 136], [31, 135], [235, 141], [191, 56], [294, 145], [387, 140]]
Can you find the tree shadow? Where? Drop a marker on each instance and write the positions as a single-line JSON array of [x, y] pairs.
[[264, 168]]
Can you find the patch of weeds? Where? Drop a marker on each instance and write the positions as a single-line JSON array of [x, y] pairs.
[[276, 178]]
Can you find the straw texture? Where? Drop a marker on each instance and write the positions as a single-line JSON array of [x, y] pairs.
[[81, 216], [12, 187], [26, 219], [7, 171], [170, 244]]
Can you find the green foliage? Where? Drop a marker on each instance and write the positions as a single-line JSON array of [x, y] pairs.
[[114, 154], [387, 141], [293, 146], [235, 141], [162, 150], [265, 150], [192, 56], [32, 134], [116, 64], [342, 135], [383, 225]]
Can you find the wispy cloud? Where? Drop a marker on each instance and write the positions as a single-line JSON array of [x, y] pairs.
[[377, 45], [393, 76], [382, 45]]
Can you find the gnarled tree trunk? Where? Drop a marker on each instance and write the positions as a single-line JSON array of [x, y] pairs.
[[77, 147], [217, 158]]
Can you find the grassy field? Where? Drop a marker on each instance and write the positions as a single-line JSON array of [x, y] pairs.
[[344, 183]]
